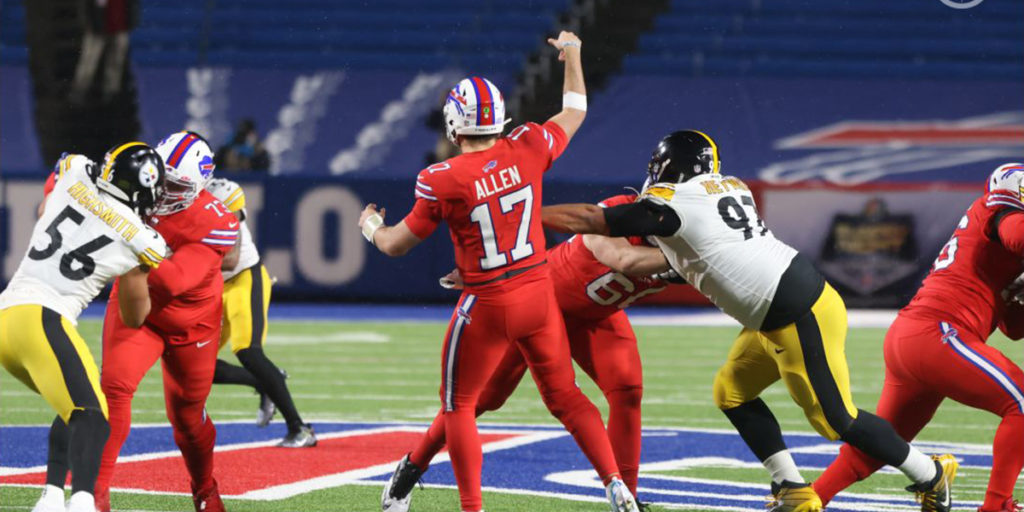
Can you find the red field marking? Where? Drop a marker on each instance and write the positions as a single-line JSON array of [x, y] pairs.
[[250, 469]]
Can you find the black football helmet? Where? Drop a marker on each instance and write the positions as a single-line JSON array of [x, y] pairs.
[[133, 173], [682, 155]]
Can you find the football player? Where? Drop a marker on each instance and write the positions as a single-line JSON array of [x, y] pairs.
[[596, 278], [936, 347], [90, 231], [184, 328], [490, 196], [794, 323], [246, 300]]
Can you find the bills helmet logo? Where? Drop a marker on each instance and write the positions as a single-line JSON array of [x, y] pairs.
[[206, 167], [490, 165]]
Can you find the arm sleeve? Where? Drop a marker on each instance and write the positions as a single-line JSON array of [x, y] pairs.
[[51, 183], [224, 236], [1011, 232], [642, 218], [426, 213], [555, 139], [186, 269]]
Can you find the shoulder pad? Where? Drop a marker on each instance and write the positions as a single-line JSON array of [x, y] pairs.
[[227, 192]]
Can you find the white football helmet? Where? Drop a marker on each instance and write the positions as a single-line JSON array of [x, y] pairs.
[[189, 162], [474, 107], [1006, 185]]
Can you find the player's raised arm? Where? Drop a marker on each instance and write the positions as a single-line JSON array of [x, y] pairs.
[[621, 256], [574, 91], [133, 297], [394, 240], [641, 218]]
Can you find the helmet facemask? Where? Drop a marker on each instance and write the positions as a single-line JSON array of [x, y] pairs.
[[178, 194]]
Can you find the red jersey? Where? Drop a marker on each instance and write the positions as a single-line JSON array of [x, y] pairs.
[[186, 295], [491, 200], [586, 287], [981, 259]]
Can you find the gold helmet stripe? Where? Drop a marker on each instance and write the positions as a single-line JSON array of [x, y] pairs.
[[108, 165], [714, 148]]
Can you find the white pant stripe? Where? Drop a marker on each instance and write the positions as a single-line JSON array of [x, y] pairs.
[[453, 349], [983, 364]]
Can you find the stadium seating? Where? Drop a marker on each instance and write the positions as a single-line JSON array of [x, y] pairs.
[[383, 34], [856, 38]]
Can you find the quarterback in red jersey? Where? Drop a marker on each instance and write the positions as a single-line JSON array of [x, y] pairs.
[[936, 347], [594, 282], [490, 196], [184, 326]]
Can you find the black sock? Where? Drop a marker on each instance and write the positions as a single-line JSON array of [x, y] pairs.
[[272, 383], [758, 428], [227, 373], [57, 455], [876, 437], [88, 432]]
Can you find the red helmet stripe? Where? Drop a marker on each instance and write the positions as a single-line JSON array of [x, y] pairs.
[[484, 116], [181, 149]]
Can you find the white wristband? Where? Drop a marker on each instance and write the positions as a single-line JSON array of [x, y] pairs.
[[371, 225], [574, 100]]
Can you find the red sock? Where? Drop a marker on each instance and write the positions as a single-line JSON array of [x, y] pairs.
[[431, 443], [1007, 460], [851, 466], [467, 456], [120, 416], [624, 432], [196, 444]]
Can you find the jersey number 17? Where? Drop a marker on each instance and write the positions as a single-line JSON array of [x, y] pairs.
[[481, 216]]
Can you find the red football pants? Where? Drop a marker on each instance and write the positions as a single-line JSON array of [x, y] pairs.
[[925, 362], [478, 337], [606, 349], [188, 374]]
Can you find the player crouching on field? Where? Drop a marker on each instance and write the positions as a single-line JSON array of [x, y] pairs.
[[246, 300], [91, 230], [794, 323], [184, 328], [936, 347]]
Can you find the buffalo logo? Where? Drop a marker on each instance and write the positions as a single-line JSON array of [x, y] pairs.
[[206, 166], [490, 165]]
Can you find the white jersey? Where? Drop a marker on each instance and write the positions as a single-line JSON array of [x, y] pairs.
[[84, 239], [723, 247], [233, 197]]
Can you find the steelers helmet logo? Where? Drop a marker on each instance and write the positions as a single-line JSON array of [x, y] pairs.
[[148, 175]]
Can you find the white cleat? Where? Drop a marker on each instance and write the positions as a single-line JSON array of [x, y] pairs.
[[619, 497], [81, 501], [52, 500], [398, 491]]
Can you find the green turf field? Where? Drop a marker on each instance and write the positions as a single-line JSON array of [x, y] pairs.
[[390, 372]]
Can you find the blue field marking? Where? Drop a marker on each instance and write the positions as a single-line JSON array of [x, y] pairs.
[[545, 461]]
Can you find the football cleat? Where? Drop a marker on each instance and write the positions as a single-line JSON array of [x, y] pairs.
[[266, 411], [302, 438], [207, 499], [267, 406], [794, 497], [937, 495], [81, 501], [52, 500], [398, 491], [619, 497]]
